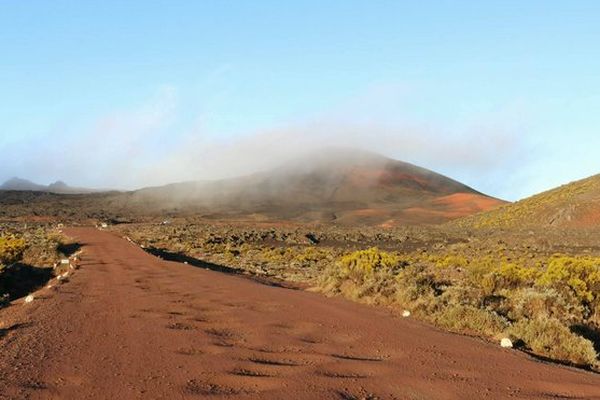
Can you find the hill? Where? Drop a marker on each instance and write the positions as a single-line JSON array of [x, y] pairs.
[[22, 185], [18, 184], [335, 186], [575, 205], [345, 186]]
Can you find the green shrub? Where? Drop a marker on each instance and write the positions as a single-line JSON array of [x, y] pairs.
[[365, 274], [549, 337], [578, 278], [478, 269], [11, 249], [416, 288], [42, 247], [513, 274], [469, 319], [528, 303], [449, 261], [310, 256], [364, 264]]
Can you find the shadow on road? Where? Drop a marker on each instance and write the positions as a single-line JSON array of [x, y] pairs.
[[14, 327], [69, 249], [195, 262]]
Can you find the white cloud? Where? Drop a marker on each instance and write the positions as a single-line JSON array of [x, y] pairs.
[[148, 145]]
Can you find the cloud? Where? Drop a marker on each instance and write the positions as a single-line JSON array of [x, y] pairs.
[[478, 154], [149, 144], [108, 152]]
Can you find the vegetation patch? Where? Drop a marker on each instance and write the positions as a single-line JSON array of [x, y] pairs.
[[27, 257], [491, 284], [550, 338]]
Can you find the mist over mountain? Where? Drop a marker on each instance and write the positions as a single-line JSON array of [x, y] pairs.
[[343, 185]]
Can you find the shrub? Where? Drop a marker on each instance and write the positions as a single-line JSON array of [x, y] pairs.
[[469, 319], [310, 256], [579, 274], [364, 264], [417, 289], [550, 338], [513, 274], [42, 247], [450, 261], [528, 303], [478, 268], [11, 249], [364, 274]]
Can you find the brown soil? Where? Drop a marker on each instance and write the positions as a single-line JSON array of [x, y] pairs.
[[130, 326]]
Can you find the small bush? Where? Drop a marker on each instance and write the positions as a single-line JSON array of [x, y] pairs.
[[11, 249], [310, 256], [550, 338], [364, 274], [469, 319], [528, 303], [513, 274], [450, 261], [579, 274], [364, 264], [417, 289], [42, 249]]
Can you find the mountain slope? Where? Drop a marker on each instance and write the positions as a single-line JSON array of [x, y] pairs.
[[576, 204], [21, 185], [345, 186], [18, 184]]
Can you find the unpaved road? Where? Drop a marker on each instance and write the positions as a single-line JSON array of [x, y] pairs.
[[130, 326]]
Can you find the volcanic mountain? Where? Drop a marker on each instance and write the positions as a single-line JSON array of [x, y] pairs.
[[18, 184], [342, 186], [575, 205]]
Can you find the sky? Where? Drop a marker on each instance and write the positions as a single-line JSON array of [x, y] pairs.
[[501, 95]]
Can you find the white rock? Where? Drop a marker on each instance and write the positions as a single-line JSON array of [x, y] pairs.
[[506, 343], [64, 261], [59, 278], [49, 286], [29, 298], [65, 275], [406, 313]]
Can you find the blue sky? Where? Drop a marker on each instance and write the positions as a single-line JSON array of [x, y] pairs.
[[503, 95]]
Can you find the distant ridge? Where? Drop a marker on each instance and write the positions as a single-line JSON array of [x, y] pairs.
[[60, 187], [332, 186]]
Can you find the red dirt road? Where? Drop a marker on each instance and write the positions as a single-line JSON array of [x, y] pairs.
[[130, 326]]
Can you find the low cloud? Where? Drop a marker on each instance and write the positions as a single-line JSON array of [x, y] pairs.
[[478, 155], [148, 145]]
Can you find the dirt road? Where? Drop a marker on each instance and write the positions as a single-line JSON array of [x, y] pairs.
[[128, 325]]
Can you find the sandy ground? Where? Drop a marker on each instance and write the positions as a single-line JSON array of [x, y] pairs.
[[130, 326]]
